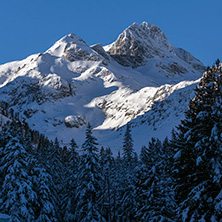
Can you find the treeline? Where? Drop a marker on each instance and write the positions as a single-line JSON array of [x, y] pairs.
[[175, 180], [40, 181]]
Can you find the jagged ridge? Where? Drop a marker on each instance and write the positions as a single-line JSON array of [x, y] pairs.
[[137, 44], [72, 79]]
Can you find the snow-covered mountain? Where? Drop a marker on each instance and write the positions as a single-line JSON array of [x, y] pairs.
[[140, 78]]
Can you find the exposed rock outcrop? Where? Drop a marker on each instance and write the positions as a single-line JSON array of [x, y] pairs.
[[74, 121]]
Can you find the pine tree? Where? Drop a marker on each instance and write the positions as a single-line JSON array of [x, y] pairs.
[[144, 155], [128, 151], [129, 162], [17, 196], [102, 155], [168, 204], [49, 158], [89, 180], [69, 201], [146, 183], [25, 192], [118, 187], [199, 158], [140, 193], [153, 195], [46, 203], [108, 199], [73, 159]]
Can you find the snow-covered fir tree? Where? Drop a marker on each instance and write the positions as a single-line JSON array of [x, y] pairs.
[[27, 192], [71, 167], [89, 182], [118, 187], [153, 197], [17, 196], [128, 150], [198, 163], [45, 191], [108, 192], [126, 173]]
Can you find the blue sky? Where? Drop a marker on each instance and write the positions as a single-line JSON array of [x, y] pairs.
[[32, 26]]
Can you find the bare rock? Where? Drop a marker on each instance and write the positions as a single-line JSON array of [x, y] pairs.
[[74, 121]]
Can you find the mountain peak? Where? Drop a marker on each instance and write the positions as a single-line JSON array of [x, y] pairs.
[[73, 48], [148, 31], [133, 26], [147, 25], [142, 27], [135, 30], [71, 37], [138, 43], [59, 48]]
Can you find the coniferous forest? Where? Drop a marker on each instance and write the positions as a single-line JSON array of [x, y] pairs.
[[178, 179]]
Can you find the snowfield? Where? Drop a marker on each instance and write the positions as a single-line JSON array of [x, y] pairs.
[[140, 78]]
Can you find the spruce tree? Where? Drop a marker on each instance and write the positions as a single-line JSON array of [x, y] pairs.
[[129, 162], [118, 186], [146, 183], [198, 161], [17, 196], [152, 192], [89, 180], [140, 193], [27, 192], [46, 203], [128, 150], [69, 200], [108, 198]]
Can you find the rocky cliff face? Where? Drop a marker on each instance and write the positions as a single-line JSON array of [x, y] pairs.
[[70, 84], [137, 44]]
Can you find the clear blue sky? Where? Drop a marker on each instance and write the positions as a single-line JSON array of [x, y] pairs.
[[32, 26]]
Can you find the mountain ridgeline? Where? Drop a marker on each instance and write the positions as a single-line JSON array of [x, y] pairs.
[[140, 43], [57, 92]]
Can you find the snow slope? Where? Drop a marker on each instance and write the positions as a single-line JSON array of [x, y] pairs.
[[109, 86]]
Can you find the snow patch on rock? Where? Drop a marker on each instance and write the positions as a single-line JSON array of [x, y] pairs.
[[74, 121]]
